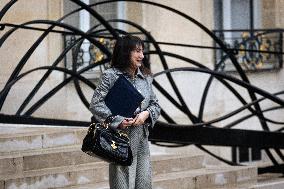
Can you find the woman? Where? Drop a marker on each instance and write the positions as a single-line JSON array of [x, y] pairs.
[[128, 60]]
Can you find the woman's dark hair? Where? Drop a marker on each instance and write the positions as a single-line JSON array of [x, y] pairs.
[[122, 51]]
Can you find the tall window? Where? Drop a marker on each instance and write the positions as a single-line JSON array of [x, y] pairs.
[[237, 14], [239, 24], [88, 53]]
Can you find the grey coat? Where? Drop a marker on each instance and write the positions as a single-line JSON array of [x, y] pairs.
[[142, 83], [139, 174]]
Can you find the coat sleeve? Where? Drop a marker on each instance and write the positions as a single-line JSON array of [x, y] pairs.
[[153, 108], [97, 106]]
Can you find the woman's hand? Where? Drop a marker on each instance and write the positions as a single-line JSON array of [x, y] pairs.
[[127, 122], [141, 118], [138, 120]]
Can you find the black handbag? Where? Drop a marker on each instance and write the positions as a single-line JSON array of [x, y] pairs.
[[107, 144]]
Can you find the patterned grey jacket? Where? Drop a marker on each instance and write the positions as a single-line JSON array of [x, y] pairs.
[[142, 83]]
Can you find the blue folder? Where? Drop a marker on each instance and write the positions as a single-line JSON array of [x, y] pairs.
[[123, 98]]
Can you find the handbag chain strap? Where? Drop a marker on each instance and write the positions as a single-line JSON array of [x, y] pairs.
[[108, 121], [105, 124]]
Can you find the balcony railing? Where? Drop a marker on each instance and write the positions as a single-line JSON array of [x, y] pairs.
[[87, 54], [255, 50]]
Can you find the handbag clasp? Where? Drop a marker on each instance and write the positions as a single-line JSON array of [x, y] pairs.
[[122, 134], [113, 145]]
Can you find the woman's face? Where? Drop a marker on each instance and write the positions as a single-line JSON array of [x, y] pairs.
[[136, 57]]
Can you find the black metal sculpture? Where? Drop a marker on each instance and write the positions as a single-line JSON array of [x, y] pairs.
[[200, 132]]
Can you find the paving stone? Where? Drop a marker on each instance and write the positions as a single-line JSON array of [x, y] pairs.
[[2, 186], [58, 177], [11, 165], [56, 160], [248, 175], [164, 164], [40, 138], [20, 143]]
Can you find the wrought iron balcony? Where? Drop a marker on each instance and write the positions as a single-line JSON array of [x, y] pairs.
[[84, 53], [255, 50]]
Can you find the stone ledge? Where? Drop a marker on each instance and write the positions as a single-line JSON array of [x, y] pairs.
[[184, 180], [41, 140], [73, 156]]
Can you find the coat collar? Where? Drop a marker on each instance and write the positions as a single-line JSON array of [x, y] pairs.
[[119, 72]]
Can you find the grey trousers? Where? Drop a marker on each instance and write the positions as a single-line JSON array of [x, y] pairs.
[[139, 174]]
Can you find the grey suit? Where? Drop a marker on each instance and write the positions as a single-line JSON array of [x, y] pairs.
[[138, 175]]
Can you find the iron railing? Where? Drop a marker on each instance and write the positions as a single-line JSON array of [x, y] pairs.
[[86, 53], [252, 49]]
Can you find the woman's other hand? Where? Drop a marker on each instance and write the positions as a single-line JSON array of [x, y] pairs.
[[141, 118], [138, 120], [127, 122]]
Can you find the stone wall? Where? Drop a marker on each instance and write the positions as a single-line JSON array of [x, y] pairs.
[[19, 43], [273, 13]]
